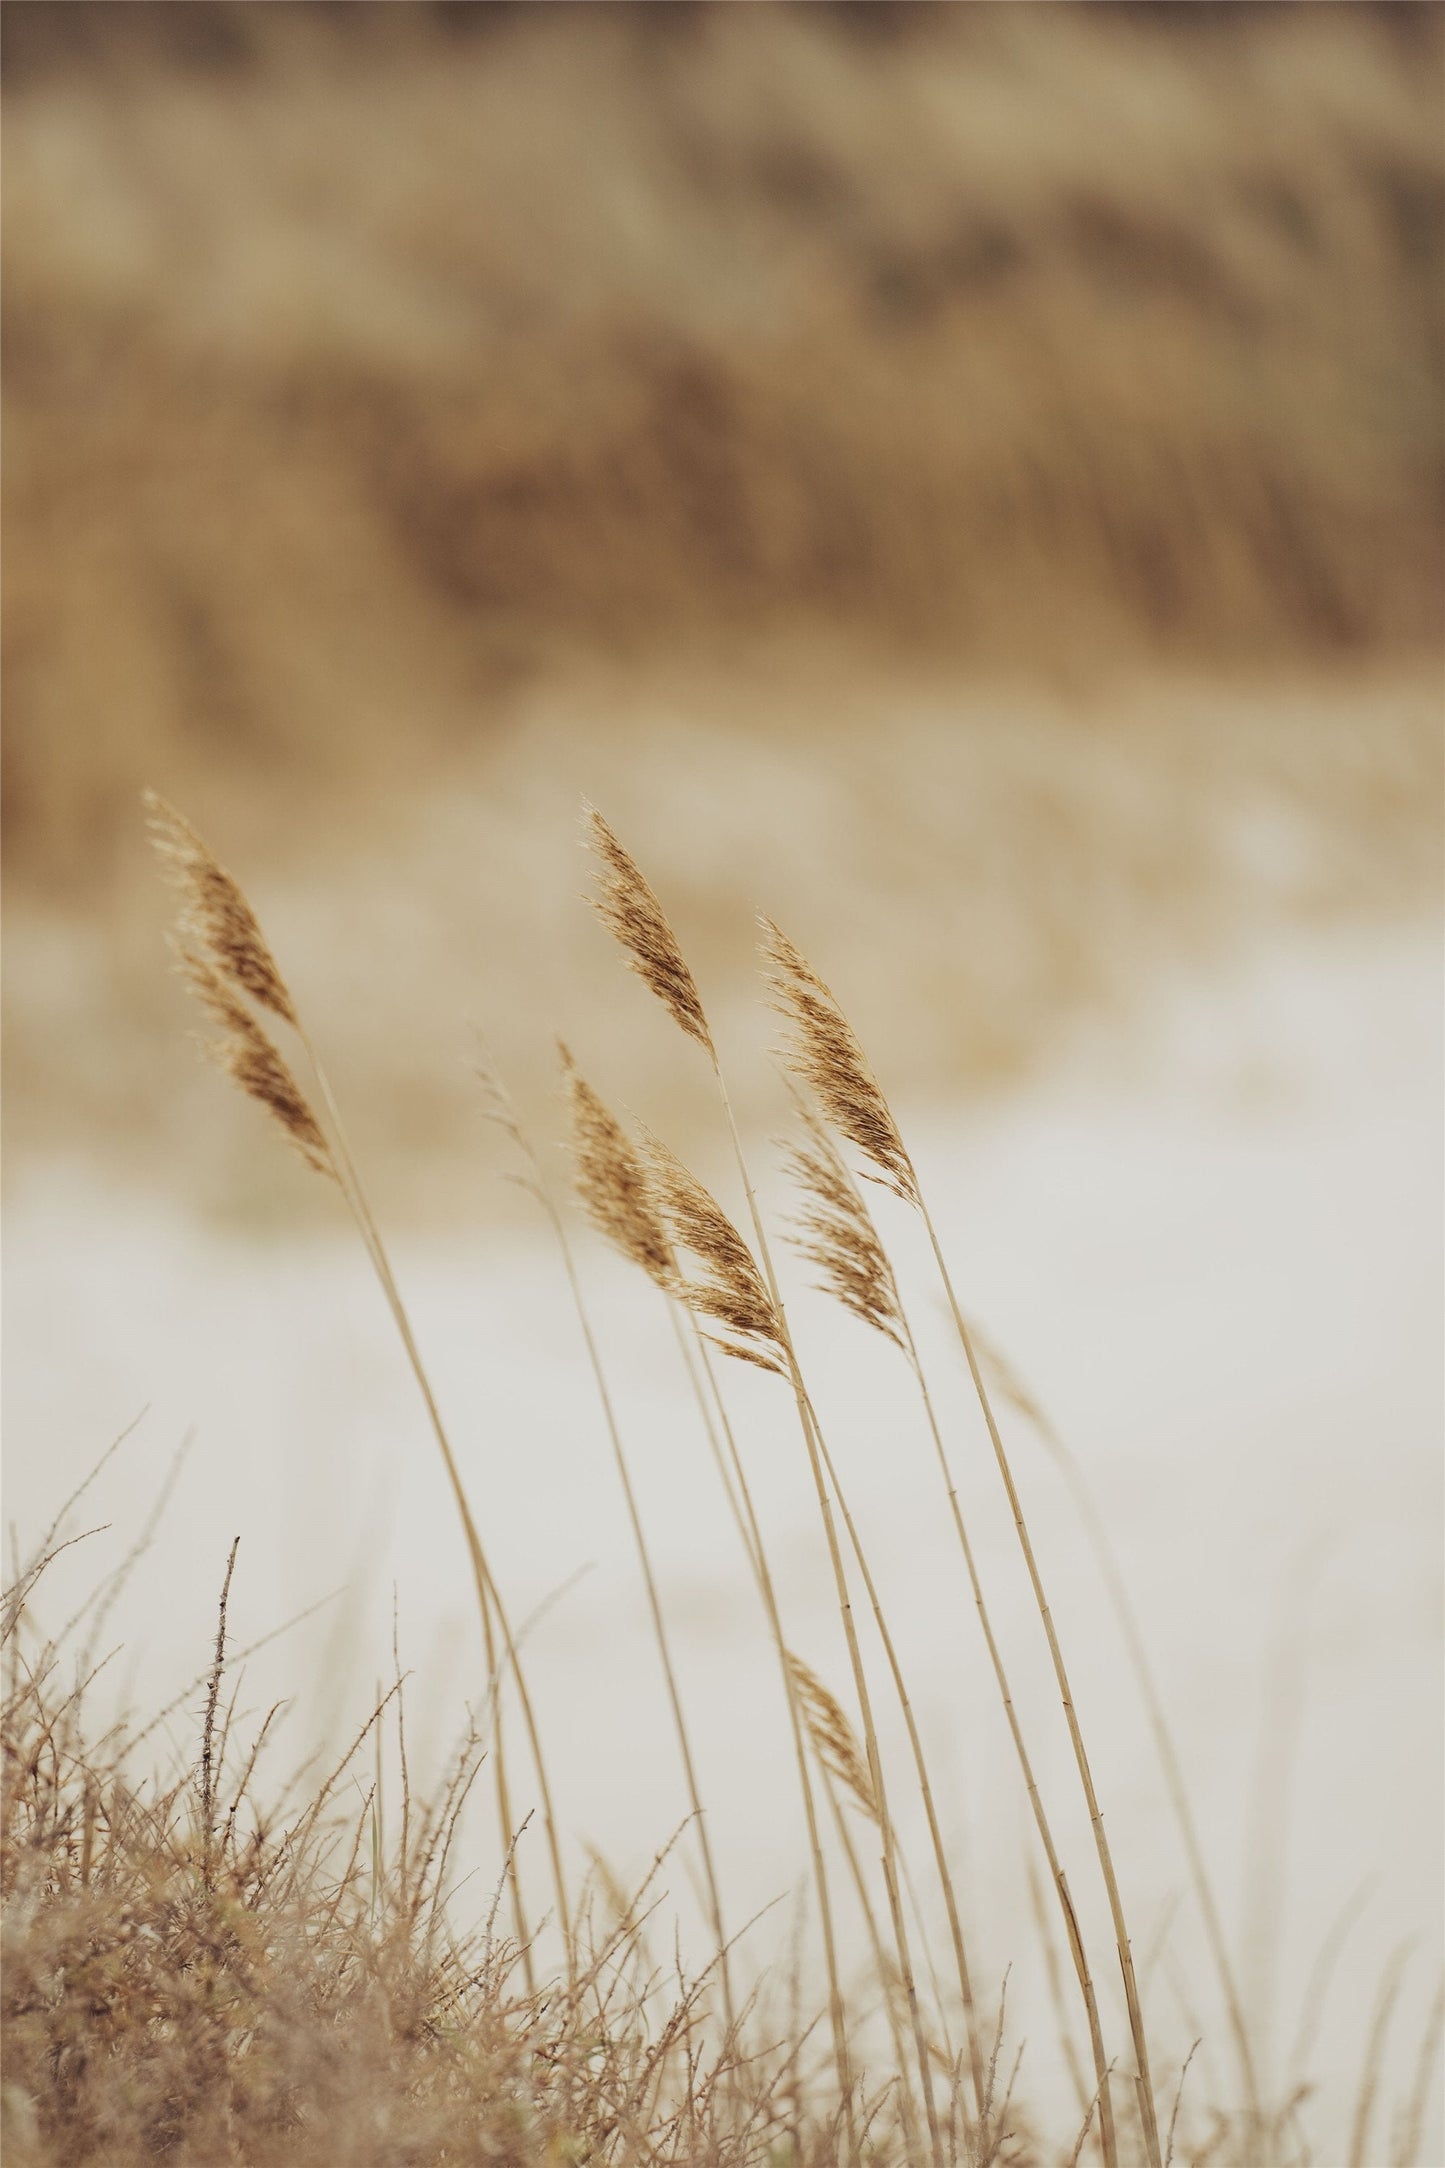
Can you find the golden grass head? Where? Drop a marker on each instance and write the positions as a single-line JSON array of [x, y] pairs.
[[247, 1055], [732, 1292], [614, 1184], [824, 1054], [632, 914], [836, 1233], [215, 915], [834, 1740]]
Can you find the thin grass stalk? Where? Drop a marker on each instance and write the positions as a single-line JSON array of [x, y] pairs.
[[887, 1979], [635, 918], [1369, 2085], [619, 1191], [1412, 2122], [1077, 1951], [813, 1441], [750, 1531], [232, 973], [920, 1763], [826, 1055], [1081, 1758], [654, 1603], [889, 1312], [489, 1597], [1168, 1756], [1055, 1982]]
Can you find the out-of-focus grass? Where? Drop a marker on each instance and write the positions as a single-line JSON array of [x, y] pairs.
[[848, 440], [359, 361]]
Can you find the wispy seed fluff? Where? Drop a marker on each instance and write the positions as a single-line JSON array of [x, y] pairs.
[[824, 1054], [631, 912]]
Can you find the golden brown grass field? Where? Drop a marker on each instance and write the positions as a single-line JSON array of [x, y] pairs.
[[846, 1566]]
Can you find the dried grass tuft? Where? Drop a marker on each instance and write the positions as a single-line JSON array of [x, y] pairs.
[[631, 912], [824, 1054], [834, 1740]]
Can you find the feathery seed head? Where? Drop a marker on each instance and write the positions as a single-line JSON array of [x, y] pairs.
[[731, 1292], [823, 1052], [632, 914], [614, 1185], [215, 915], [834, 1740], [247, 1055], [837, 1233]]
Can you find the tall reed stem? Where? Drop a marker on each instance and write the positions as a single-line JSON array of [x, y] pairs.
[[1077, 1951], [1106, 1860], [751, 1534], [488, 1594], [920, 1764], [812, 1442], [1169, 1762], [654, 1603]]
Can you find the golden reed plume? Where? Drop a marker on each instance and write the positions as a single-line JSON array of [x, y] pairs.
[[834, 1740], [837, 1235], [631, 912], [824, 1054], [226, 962], [732, 1293], [248, 1056], [215, 916], [614, 1185]]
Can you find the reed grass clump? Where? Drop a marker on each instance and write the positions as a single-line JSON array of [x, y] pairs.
[[199, 1971]]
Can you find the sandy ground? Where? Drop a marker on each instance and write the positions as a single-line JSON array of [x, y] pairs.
[[1218, 1263]]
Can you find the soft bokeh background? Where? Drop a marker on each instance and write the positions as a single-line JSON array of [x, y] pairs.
[[966, 479]]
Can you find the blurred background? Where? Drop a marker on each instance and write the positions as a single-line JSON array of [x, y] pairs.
[[966, 479]]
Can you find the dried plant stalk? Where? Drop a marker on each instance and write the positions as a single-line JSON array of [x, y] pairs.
[[862, 1234], [752, 1312], [825, 1054], [616, 1185], [225, 956], [631, 912]]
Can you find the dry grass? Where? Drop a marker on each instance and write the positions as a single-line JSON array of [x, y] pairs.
[[202, 1968], [361, 361]]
